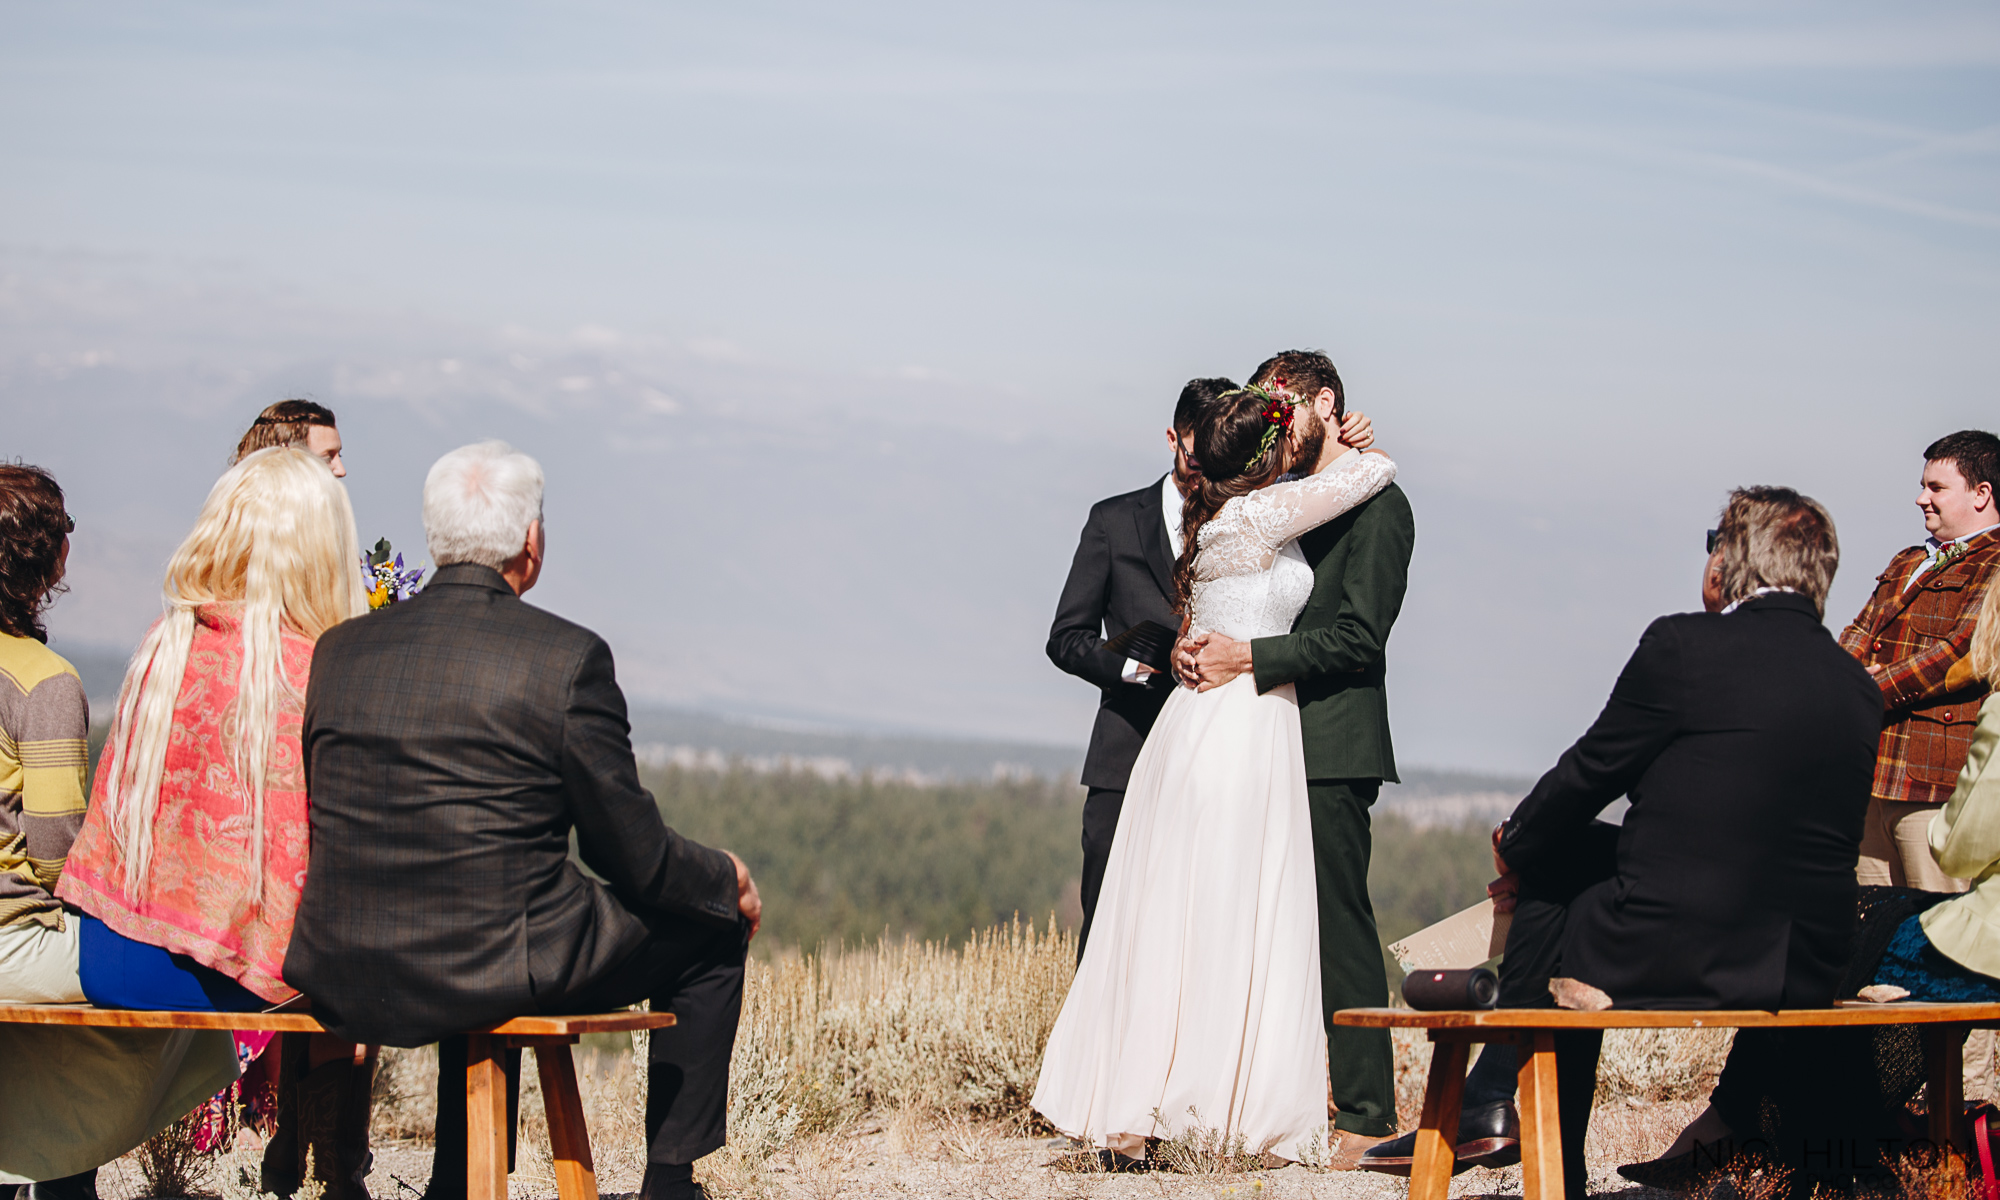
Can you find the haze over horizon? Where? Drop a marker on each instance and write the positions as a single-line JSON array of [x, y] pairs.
[[829, 326]]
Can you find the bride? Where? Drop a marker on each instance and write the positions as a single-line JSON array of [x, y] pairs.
[[1197, 1004]]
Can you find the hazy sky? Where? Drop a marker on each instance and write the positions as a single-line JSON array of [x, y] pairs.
[[831, 324]]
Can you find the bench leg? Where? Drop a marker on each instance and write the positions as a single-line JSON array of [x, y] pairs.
[[485, 1120], [1437, 1130], [569, 1139], [1944, 1049], [1541, 1124]]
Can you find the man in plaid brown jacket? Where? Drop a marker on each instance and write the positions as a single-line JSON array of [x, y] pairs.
[[1916, 626]]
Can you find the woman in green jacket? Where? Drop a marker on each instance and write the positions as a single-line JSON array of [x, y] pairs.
[[1951, 951]]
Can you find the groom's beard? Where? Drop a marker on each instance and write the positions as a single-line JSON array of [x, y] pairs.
[[1311, 443]]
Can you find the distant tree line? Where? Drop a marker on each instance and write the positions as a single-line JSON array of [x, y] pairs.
[[846, 859], [843, 860]]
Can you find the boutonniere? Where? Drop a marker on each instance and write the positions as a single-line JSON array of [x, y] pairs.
[[1945, 556]]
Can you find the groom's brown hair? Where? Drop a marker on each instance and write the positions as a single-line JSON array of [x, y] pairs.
[[1304, 373]]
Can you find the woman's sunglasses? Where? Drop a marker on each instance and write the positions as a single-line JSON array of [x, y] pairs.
[[1714, 536]]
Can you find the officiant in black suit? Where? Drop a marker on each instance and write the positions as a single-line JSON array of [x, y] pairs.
[[1123, 574]]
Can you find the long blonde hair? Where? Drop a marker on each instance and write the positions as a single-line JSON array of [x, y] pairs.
[[276, 537], [1985, 653]]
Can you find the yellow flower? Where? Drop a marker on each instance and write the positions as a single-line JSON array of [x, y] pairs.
[[378, 597]]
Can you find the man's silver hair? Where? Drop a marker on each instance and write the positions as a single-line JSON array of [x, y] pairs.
[[478, 503]]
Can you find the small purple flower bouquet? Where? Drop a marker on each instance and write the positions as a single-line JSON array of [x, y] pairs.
[[387, 580]]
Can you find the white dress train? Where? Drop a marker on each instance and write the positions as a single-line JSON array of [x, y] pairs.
[[1197, 1004]]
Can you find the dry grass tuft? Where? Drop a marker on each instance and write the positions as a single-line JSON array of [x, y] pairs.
[[1200, 1149], [171, 1164], [1658, 1065]]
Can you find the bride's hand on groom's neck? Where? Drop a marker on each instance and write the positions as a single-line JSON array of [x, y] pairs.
[[1356, 430]]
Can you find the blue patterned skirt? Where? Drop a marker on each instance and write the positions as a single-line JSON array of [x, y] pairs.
[[1912, 962]]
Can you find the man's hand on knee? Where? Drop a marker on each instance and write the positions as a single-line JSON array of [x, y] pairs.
[[748, 902]]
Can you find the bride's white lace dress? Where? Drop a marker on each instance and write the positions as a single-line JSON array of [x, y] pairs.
[[1198, 997]]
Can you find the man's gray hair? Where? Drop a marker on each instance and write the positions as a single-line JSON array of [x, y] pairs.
[[478, 503], [1774, 537]]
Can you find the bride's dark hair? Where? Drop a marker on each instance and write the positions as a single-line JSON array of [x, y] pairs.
[[1227, 439]]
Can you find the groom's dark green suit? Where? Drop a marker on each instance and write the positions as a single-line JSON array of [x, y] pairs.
[[1334, 658]]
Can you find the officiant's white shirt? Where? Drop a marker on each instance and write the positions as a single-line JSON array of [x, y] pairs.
[[1170, 512]]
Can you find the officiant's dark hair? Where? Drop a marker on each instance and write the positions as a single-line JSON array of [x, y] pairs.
[[1228, 437], [1304, 373], [1197, 395]]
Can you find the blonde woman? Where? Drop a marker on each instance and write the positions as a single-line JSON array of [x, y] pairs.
[[190, 861]]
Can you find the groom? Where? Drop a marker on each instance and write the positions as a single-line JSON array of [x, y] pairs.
[[1334, 658]]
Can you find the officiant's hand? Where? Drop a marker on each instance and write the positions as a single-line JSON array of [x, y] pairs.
[[748, 902], [1506, 889], [1217, 660], [1357, 430]]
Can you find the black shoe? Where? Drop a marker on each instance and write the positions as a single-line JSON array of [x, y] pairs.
[[1488, 1136], [1691, 1171], [81, 1186], [663, 1182]]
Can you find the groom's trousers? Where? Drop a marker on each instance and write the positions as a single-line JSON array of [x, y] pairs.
[[1351, 971]]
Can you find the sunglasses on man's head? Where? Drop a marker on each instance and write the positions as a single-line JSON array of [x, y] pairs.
[[1714, 536]]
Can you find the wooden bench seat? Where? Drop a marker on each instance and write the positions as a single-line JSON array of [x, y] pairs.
[[1532, 1031], [485, 1085]]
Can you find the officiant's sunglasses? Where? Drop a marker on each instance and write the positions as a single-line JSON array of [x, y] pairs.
[[1714, 536]]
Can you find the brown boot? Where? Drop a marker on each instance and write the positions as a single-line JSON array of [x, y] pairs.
[[284, 1153], [334, 1105]]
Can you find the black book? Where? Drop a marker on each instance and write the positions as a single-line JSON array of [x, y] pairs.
[[1148, 642]]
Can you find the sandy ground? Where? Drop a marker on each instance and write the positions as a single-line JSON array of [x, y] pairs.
[[873, 1165], [961, 1162]]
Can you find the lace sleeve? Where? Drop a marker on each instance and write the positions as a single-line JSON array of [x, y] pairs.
[[1283, 511]]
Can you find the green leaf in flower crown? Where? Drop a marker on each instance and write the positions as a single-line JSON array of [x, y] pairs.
[[382, 553]]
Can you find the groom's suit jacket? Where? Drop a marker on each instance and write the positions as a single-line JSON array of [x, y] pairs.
[[1334, 655], [1123, 573]]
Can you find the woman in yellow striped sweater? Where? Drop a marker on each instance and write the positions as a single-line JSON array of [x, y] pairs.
[[44, 720]]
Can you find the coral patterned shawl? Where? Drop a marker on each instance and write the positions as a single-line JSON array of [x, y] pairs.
[[197, 898]]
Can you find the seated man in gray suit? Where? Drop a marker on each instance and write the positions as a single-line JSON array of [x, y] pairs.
[[453, 742]]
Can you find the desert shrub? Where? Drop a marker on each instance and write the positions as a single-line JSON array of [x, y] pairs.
[[1661, 1064], [173, 1161]]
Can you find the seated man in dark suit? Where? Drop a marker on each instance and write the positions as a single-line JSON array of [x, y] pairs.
[[453, 743], [1745, 739]]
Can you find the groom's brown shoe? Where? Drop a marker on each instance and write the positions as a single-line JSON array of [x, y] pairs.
[[1349, 1149]]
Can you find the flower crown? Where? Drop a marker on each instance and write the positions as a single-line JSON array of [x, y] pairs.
[[1277, 419]]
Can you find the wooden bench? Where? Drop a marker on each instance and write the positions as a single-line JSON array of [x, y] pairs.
[[485, 1084], [1532, 1031]]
